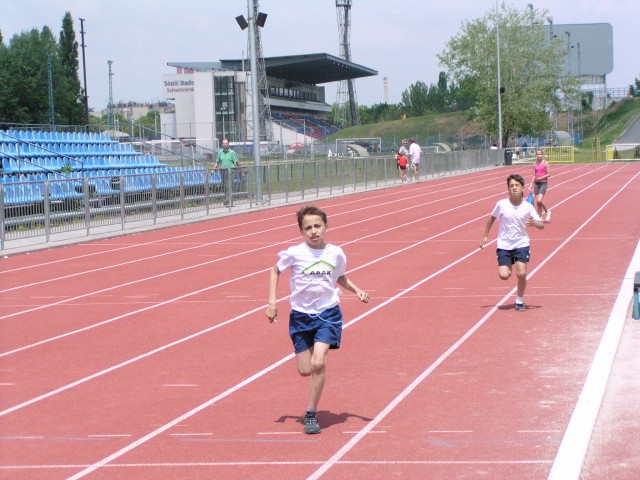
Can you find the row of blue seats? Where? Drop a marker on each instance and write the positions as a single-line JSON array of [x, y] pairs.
[[36, 136], [106, 183], [33, 177], [25, 193], [34, 165], [70, 149]]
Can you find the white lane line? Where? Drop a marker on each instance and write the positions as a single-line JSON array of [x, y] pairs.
[[89, 327], [574, 445], [280, 463], [197, 246], [285, 359], [394, 403]]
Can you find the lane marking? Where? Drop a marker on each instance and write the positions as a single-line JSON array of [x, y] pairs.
[[257, 375], [490, 173], [572, 452], [394, 403], [281, 463]]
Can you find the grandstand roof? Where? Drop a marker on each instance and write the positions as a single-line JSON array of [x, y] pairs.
[[311, 68]]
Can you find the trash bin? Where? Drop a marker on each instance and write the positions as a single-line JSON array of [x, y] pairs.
[[508, 156]]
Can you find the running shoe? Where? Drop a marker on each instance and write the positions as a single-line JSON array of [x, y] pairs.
[[547, 217], [520, 307], [311, 424]]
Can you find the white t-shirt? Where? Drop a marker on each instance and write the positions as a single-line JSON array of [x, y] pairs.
[[512, 232], [414, 152], [314, 274]]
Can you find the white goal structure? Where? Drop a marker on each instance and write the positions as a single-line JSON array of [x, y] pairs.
[[358, 147], [623, 151]]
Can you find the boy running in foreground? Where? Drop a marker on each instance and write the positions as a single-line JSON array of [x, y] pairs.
[[315, 322], [514, 215]]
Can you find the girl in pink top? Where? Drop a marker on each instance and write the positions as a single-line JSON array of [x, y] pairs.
[[539, 184]]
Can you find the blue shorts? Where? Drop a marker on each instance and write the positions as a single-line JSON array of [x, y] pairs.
[[506, 258], [305, 329]]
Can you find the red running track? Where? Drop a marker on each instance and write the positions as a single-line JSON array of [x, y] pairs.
[[148, 356]]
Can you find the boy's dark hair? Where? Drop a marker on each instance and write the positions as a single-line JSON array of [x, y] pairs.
[[310, 210], [516, 177]]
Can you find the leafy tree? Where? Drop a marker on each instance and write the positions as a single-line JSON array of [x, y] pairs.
[[380, 112], [438, 97], [414, 99], [25, 97], [463, 95], [24, 76], [69, 93], [531, 67], [634, 89]]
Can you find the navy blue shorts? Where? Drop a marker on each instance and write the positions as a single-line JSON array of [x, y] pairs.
[[306, 329], [506, 258]]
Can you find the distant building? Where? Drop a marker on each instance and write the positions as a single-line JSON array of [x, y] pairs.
[[213, 99], [136, 110]]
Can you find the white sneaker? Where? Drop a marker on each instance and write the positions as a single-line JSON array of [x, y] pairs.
[[547, 217]]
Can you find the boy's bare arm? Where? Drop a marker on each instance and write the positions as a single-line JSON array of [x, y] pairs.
[[272, 308], [347, 284], [487, 229]]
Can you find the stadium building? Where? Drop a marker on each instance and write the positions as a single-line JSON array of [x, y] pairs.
[[213, 99]]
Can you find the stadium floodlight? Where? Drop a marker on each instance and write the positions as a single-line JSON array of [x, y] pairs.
[[242, 23], [261, 19], [255, 19], [500, 88]]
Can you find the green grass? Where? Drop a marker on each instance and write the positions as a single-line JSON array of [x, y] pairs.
[[603, 127]]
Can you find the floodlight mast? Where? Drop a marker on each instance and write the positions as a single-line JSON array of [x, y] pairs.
[[498, 75], [84, 72], [254, 93], [347, 102], [255, 19]]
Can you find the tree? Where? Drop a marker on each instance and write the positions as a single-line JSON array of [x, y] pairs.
[[414, 99], [380, 112], [25, 79], [531, 67], [634, 89], [69, 93], [25, 95]]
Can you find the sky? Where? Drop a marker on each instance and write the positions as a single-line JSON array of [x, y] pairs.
[[398, 38]]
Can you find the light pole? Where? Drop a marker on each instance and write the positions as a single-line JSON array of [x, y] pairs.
[[498, 75], [84, 72], [222, 112], [255, 19]]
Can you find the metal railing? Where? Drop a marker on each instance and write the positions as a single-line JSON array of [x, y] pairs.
[[111, 202]]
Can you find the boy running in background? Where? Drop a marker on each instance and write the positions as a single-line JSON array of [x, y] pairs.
[[315, 322], [514, 216]]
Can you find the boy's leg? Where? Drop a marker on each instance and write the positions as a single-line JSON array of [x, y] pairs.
[[521, 272], [504, 272], [318, 373], [312, 363]]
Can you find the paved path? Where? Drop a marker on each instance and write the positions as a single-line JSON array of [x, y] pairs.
[[631, 134]]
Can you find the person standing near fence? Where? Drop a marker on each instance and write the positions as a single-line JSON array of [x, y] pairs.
[[404, 149], [401, 161], [414, 157], [227, 160], [539, 184]]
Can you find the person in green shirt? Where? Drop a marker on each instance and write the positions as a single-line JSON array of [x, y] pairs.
[[227, 159]]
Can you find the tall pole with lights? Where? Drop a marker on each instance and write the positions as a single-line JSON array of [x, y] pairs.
[[84, 72], [254, 19], [498, 75]]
